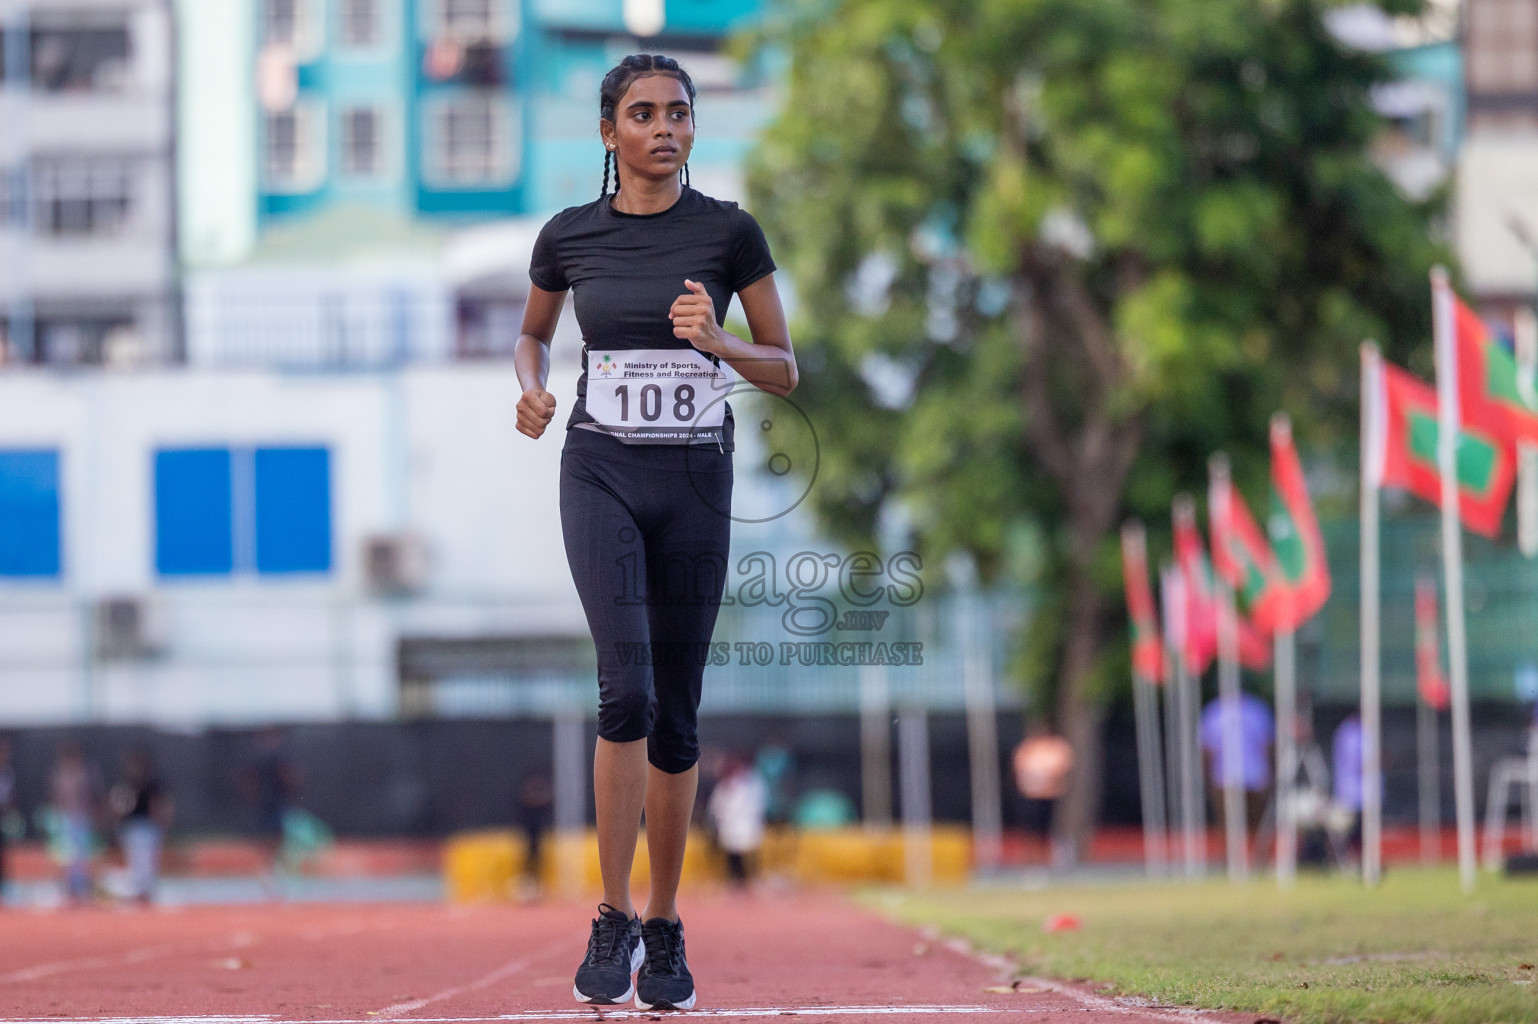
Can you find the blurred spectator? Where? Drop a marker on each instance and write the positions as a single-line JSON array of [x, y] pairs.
[[1042, 762], [737, 806], [74, 795], [273, 785], [11, 825], [1346, 771], [1257, 732], [777, 765], [536, 809], [144, 813]]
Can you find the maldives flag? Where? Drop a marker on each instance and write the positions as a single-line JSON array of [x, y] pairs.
[[1201, 606], [1240, 552], [1147, 652], [1488, 378], [1401, 446], [1429, 680], [1295, 538], [1201, 611]]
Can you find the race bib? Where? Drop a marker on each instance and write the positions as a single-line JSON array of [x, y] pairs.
[[656, 395]]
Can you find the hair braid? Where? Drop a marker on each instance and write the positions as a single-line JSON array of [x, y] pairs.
[[607, 156]]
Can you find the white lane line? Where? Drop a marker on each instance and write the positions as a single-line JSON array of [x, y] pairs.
[[239, 940], [596, 1013], [1100, 1004], [395, 1011]]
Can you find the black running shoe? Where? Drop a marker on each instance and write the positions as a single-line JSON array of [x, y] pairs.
[[614, 951], [664, 982]]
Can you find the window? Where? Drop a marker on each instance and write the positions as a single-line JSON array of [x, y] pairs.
[[293, 24], [469, 20], [225, 510], [282, 22], [293, 510], [76, 58], [360, 23], [471, 141], [294, 149], [194, 532], [82, 196], [29, 513], [360, 141]]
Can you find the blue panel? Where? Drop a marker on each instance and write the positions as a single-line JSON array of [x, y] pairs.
[[193, 534], [293, 510], [710, 16], [29, 513]]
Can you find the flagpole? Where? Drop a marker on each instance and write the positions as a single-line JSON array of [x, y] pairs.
[[1370, 624], [1151, 770], [1231, 741], [1172, 762], [1146, 712], [1448, 423], [1427, 744], [1181, 725], [1285, 657], [1285, 653], [1430, 781]]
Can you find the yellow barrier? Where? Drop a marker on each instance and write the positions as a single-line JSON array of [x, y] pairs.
[[486, 866]]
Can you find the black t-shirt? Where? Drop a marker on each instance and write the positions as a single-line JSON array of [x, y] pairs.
[[626, 269]]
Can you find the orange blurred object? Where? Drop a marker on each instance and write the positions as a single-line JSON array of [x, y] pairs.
[[1061, 923]]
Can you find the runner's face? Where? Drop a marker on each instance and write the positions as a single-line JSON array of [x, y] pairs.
[[653, 129]]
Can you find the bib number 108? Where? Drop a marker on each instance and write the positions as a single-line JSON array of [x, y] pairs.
[[649, 402]]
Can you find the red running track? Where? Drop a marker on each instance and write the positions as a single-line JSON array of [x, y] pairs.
[[809, 955]]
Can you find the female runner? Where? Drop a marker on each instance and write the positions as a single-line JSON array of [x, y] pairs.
[[646, 481]]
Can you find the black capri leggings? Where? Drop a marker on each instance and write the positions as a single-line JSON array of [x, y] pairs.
[[647, 529]]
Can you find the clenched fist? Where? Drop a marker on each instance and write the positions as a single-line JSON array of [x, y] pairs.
[[535, 410]]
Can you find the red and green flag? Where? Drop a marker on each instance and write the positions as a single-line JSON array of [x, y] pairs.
[[1430, 681], [1240, 553], [1201, 610], [1201, 618], [1488, 378], [1401, 446], [1147, 652], [1295, 539]]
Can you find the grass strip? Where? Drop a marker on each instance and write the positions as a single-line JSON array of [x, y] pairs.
[[1328, 952]]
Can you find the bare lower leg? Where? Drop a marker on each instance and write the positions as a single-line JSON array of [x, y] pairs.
[[619, 793], [669, 806]]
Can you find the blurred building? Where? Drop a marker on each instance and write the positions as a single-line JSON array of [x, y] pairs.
[[1496, 206], [87, 184], [318, 508]]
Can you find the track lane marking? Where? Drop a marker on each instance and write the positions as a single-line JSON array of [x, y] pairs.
[[573, 1015], [396, 1010]]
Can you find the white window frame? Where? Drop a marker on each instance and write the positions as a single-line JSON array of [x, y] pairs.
[[505, 158], [310, 155], [501, 29]]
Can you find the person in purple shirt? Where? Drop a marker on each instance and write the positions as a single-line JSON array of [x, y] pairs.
[[1346, 775], [1257, 731]]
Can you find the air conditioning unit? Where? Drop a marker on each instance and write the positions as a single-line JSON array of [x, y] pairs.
[[128, 627], [394, 563]]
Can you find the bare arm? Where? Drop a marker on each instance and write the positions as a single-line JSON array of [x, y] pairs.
[[766, 360], [531, 359]]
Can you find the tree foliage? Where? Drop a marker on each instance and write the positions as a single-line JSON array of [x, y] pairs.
[[1051, 254]]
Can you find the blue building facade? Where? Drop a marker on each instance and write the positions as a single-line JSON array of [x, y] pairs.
[[463, 110]]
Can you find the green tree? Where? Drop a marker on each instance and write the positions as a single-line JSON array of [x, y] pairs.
[[1050, 254]]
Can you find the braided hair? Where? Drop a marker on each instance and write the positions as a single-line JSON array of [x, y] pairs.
[[617, 82]]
